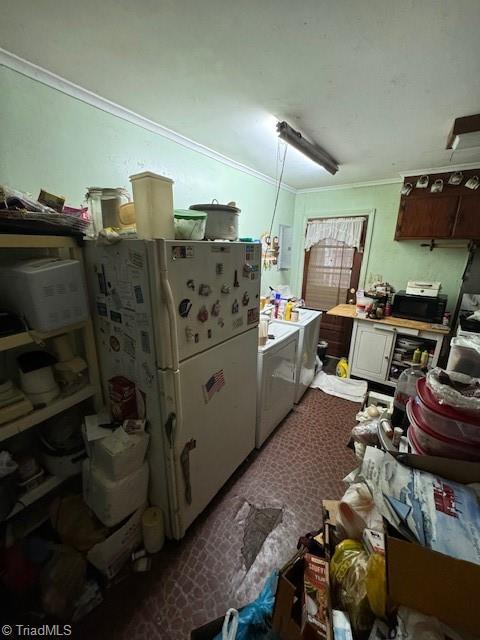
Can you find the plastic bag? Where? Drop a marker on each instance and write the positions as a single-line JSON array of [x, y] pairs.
[[348, 571], [357, 511], [446, 394], [412, 625], [377, 584], [367, 432], [63, 579], [75, 524], [342, 368], [253, 620]]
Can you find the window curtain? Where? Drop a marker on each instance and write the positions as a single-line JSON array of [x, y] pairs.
[[346, 230]]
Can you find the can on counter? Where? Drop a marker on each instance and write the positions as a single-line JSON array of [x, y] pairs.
[[446, 318]]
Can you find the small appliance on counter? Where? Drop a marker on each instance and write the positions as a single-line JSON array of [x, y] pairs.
[[423, 288], [36, 377], [62, 446], [424, 308], [48, 292], [222, 220]]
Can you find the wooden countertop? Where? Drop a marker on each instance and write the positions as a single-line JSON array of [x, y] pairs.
[[349, 311]]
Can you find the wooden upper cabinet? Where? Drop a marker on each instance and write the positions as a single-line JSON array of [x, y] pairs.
[[467, 224], [453, 212], [428, 216]]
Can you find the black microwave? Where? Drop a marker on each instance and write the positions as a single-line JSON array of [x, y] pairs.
[[423, 308]]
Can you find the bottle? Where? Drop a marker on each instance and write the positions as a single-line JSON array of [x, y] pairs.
[[288, 311], [362, 303], [417, 355], [388, 308], [276, 304], [424, 359], [406, 389]]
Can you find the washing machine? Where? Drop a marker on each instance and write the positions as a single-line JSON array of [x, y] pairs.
[[308, 325], [275, 379]]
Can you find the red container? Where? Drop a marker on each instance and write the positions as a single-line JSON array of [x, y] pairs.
[[123, 401], [445, 420], [432, 443]]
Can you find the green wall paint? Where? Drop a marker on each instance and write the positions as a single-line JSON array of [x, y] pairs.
[[53, 141], [397, 262]]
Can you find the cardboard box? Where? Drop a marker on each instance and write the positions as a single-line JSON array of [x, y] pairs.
[[316, 595], [287, 613], [428, 581], [110, 555]]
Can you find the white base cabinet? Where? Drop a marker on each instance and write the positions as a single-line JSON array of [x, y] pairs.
[[373, 345]]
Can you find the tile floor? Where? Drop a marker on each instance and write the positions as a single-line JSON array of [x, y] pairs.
[[197, 579]]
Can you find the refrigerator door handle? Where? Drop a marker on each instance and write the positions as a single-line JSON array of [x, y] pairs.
[[185, 462], [170, 428]]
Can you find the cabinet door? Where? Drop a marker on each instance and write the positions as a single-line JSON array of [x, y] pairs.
[[429, 216], [467, 224], [371, 351]]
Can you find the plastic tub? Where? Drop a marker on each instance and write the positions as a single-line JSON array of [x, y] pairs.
[[445, 420], [189, 225], [428, 442], [414, 446]]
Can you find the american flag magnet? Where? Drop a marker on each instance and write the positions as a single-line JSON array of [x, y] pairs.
[[213, 384]]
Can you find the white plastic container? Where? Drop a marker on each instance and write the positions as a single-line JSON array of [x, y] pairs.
[[48, 292], [120, 453], [153, 529], [189, 225], [465, 355], [153, 199], [114, 500]]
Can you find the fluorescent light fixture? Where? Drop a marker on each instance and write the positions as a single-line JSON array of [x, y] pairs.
[[312, 151]]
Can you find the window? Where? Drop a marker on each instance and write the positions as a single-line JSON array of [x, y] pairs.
[[329, 274], [332, 266]]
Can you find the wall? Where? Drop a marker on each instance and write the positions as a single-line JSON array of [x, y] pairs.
[[397, 262], [54, 141]]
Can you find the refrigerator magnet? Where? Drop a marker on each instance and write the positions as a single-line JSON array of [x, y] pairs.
[[202, 314], [137, 290], [184, 308], [235, 306]]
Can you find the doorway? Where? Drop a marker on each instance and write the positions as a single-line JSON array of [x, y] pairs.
[[331, 275]]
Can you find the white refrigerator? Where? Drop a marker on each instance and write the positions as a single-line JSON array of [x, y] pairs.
[[178, 320]]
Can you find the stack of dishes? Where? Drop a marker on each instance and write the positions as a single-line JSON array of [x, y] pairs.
[[441, 430]]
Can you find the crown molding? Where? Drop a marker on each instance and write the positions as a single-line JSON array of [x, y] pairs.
[[351, 185], [446, 169], [52, 80]]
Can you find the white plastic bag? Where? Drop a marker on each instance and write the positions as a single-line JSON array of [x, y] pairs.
[[357, 511], [446, 394], [230, 625]]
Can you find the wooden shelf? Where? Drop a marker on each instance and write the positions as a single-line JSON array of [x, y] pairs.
[[15, 427], [21, 241], [15, 340], [29, 337], [28, 498]]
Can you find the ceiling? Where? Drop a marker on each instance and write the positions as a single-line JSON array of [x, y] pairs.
[[377, 83]]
